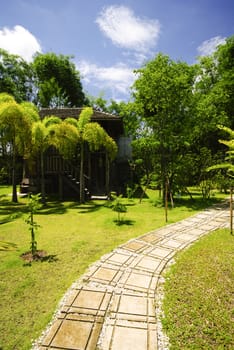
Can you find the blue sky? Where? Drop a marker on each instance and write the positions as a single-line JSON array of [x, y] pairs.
[[111, 38]]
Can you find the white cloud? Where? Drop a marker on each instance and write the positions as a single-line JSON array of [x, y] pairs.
[[209, 46], [19, 41], [117, 78], [128, 31]]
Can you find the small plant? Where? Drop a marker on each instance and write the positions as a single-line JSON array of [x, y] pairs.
[[131, 190], [33, 205], [119, 207]]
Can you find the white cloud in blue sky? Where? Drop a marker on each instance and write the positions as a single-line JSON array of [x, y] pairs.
[[135, 35], [19, 41], [210, 45], [110, 39], [126, 30], [119, 76]]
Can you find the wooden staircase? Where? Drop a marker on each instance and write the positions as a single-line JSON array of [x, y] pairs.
[[56, 165]]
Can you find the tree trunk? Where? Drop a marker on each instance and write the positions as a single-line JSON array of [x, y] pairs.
[[166, 200], [60, 187], [43, 199], [82, 173], [14, 185], [107, 175], [231, 211]]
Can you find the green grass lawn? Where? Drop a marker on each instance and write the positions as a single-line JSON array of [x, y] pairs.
[[74, 236], [199, 295]]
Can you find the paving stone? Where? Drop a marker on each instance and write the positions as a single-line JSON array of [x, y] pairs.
[[119, 258], [92, 344], [126, 338], [149, 264], [186, 237], [89, 299], [151, 238], [133, 305], [73, 335], [134, 246], [139, 281], [51, 333], [171, 243], [105, 274], [161, 252]]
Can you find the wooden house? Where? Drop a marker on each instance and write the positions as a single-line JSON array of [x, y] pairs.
[[62, 176]]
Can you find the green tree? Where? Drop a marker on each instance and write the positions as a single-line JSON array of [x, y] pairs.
[[224, 55], [16, 76], [96, 138], [228, 166], [58, 81], [66, 137], [43, 136], [163, 95], [33, 206], [119, 207], [14, 125], [32, 115]]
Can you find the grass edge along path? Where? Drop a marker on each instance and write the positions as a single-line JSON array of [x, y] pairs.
[[198, 302]]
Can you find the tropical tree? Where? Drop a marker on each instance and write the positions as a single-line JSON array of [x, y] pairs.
[[14, 125], [66, 137], [95, 137], [32, 115], [43, 136]]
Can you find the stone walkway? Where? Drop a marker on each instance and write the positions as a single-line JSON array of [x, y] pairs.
[[113, 305]]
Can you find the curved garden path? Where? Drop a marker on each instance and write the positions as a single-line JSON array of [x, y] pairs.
[[113, 306]]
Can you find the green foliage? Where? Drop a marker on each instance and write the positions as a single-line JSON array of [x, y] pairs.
[[84, 118], [16, 76], [33, 206], [66, 138], [15, 126], [206, 187], [118, 206], [228, 165], [44, 136], [58, 81], [163, 95]]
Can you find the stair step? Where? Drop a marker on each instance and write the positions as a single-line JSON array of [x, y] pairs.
[[99, 197]]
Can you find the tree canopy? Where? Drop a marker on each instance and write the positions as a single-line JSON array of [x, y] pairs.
[[50, 80], [58, 81], [16, 76]]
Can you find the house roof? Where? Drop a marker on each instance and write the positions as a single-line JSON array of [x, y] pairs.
[[113, 124], [64, 113]]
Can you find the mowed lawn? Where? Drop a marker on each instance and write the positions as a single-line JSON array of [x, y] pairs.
[[74, 236], [199, 295]]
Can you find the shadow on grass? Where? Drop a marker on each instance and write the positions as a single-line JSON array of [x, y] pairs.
[[124, 222], [40, 256], [52, 208], [11, 211], [89, 207], [7, 246], [196, 203]]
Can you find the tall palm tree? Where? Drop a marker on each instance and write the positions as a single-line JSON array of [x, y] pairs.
[[43, 133], [96, 138], [14, 125]]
